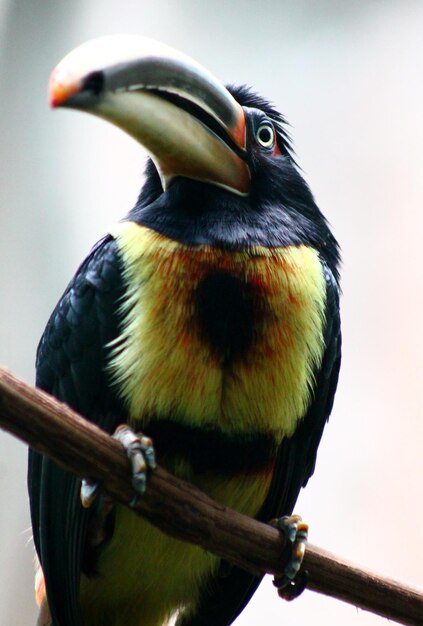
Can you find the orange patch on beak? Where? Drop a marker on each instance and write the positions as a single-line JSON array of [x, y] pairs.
[[62, 85], [239, 132]]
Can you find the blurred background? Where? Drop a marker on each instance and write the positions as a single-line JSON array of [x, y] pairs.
[[348, 76]]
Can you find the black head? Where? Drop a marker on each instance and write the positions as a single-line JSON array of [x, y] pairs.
[[279, 210]]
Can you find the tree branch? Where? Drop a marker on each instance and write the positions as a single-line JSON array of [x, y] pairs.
[[183, 511]]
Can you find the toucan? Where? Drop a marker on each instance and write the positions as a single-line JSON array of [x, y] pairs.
[[206, 322]]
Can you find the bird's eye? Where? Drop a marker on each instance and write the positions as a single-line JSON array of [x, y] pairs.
[[265, 135]]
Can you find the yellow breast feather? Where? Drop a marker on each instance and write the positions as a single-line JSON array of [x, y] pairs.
[[164, 367]]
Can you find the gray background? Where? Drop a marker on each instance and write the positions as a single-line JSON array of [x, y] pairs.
[[348, 76]]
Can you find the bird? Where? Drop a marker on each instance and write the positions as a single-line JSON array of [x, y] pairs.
[[207, 319]]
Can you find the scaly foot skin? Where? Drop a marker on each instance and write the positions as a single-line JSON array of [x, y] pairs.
[[140, 451], [293, 582]]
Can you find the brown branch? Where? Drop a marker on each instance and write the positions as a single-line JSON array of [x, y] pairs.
[[183, 511]]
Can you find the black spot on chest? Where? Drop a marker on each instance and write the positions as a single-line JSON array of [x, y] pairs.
[[227, 312]]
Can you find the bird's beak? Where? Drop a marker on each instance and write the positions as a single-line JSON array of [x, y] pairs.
[[187, 121]]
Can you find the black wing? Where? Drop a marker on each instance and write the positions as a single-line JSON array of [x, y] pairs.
[[71, 365], [227, 595]]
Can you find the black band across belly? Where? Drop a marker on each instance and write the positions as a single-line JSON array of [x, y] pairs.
[[208, 449]]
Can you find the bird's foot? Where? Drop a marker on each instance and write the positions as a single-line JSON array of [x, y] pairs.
[[140, 451], [89, 492], [293, 582]]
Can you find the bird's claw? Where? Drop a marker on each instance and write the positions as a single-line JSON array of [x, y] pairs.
[[293, 582], [140, 451], [89, 492]]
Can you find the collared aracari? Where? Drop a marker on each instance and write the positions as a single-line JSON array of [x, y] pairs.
[[207, 318]]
